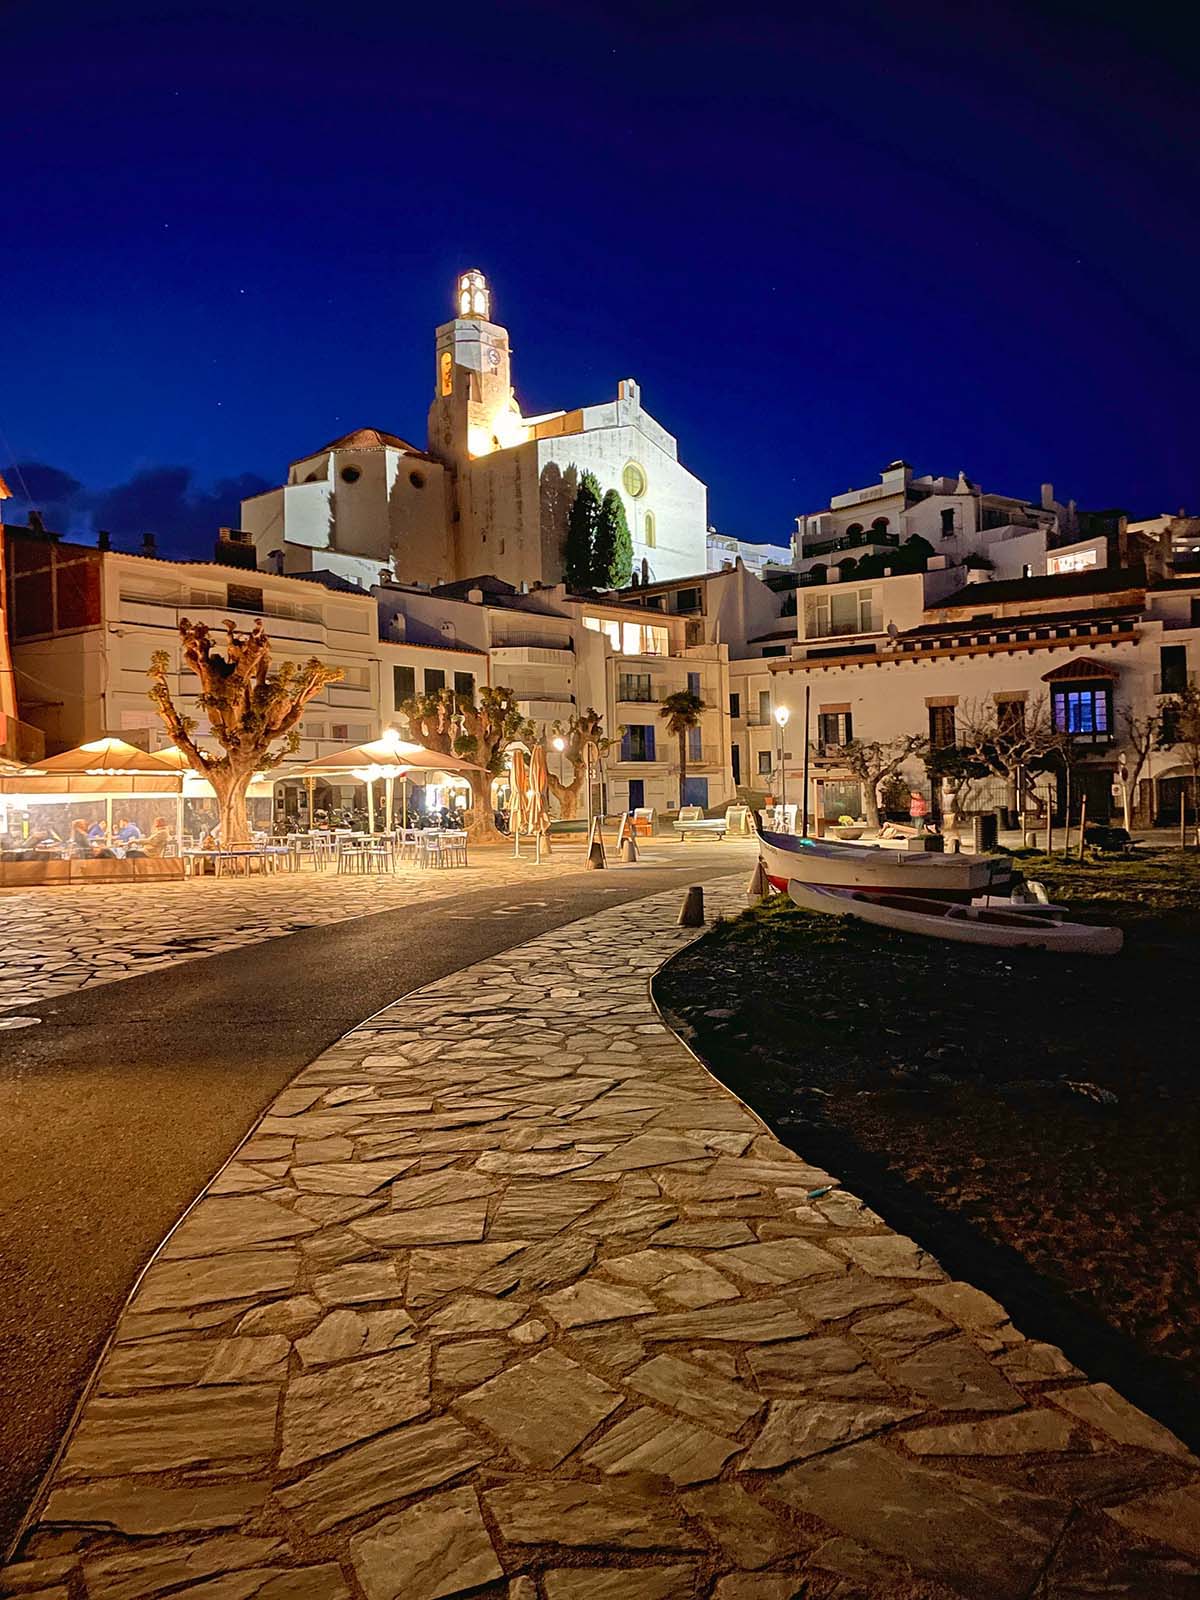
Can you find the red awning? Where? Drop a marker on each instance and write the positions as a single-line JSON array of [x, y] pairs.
[[1076, 671]]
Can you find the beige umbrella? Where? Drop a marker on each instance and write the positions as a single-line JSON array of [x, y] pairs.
[[396, 755], [102, 758], [388, 758], [108, 768], [519, 799], [538, 814]]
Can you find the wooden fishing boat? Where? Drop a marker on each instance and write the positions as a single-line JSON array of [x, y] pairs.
[[963, 924], [787, 856]]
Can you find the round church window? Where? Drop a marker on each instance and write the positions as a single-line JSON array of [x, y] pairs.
[[350, 474], [634, 479]]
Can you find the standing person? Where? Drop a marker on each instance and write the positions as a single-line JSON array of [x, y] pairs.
[[918, 809]]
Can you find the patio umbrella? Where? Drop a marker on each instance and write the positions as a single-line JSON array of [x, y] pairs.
[[519, 799], [108, 768], [538, 817], [397, 755], [102, 758], [388, 758]]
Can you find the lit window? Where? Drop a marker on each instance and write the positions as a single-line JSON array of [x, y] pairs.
[[473, 297], [634, 480], [1082, 711], [649, 531]]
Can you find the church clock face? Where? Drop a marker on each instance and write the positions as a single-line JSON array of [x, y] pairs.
[[493, 356]]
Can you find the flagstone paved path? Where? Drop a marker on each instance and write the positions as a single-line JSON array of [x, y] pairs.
[[507, 1297]]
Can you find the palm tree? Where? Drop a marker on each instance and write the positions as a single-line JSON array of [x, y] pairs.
[[681, 713]]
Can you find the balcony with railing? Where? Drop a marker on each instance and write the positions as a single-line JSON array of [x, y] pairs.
[[853, 541]]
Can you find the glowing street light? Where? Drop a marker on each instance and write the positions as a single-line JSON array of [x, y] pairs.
[[781, 717]]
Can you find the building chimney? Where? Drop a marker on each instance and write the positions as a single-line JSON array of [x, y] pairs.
[[235, 548], [36, 523], [1047, 497], [104, 540], [149, 548]]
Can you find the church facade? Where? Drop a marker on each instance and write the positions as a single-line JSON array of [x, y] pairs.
[[492, 490]]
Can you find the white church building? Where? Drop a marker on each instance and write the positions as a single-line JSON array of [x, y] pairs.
[[492, 491]]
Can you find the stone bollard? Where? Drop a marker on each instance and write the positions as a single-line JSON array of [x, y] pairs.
[[595, 858], [691, 914], [629, 849]]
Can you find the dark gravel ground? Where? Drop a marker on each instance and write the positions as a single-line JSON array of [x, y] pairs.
[[1033, 1120]]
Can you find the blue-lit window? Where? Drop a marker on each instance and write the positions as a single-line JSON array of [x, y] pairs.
[[1086, 712]]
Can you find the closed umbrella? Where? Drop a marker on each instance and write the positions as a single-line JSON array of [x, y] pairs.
[[538, 818], [519, 799]]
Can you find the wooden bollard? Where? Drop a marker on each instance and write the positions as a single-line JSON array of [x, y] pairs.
[[760, 885], [691, 914]]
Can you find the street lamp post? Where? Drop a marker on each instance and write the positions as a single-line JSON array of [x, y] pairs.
[[781, 717], [560, 744]]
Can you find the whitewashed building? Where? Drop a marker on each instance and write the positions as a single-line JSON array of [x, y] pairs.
[[492, 490], [918, 653]]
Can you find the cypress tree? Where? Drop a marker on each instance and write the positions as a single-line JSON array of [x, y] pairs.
[[613, 557], [582, 525]]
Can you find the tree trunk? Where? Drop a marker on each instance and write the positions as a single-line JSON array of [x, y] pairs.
[[481, 824], [682, 764], [870, 794], [230, 789], [567, 794]]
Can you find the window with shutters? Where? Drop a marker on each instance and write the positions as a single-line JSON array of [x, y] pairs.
[[404, 685], [435, 679], [834, 728], [942, 733], [637, 742]]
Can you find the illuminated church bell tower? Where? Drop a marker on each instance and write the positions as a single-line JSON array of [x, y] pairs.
[[473, 412]]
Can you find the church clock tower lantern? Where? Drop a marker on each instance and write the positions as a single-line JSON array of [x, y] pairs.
[[473, 412]]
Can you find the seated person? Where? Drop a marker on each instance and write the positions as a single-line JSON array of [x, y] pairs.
[[126, 831], [80, 841], [156, 841], [96, 831], [83, 847]]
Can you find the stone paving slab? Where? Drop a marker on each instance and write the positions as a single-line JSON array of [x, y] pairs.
[[558, 1319], [56, 941]]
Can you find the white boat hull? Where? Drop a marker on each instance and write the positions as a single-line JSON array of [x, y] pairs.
[[786, 857], [1006, 930]]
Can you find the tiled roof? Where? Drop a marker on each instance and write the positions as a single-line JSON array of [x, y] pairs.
[[1095, 580], [1085, 667], [366, 439], [1031, 619]]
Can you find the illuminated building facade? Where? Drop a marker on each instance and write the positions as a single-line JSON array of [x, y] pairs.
[[492, 490]]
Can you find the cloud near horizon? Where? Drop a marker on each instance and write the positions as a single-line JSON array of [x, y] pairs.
[[166, 501]]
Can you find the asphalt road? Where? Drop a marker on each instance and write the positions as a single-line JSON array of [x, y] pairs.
[[121, 1106]]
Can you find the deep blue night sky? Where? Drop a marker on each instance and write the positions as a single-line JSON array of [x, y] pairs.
[[965, 235]]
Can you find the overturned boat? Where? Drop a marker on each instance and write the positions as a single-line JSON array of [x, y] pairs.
[[963, 924], [787, 856]]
